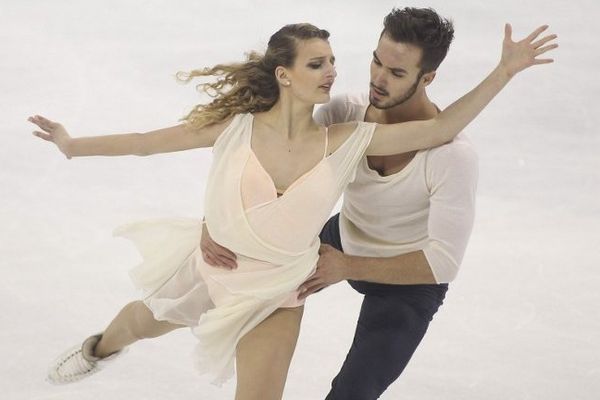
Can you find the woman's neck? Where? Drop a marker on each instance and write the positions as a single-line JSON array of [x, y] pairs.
[[291, 120]]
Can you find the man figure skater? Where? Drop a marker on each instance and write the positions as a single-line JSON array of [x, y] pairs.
[[405, 220]]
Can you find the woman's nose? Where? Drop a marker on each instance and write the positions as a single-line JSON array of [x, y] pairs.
[[332, 73]]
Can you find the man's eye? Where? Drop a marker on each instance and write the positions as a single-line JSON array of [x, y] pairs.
[[398, 75], [376, 61]]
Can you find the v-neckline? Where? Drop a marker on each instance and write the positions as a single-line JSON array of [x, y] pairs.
[[297, 180], [293, 184]]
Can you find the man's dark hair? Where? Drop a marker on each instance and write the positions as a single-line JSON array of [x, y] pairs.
[[421, 27]]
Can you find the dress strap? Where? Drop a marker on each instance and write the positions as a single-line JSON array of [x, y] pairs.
[[326, 140]]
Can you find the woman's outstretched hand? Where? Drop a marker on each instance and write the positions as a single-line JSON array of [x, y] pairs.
[[517, 56], [52, 132]]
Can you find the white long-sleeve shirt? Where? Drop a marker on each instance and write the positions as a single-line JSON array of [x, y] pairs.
[[429, 205]]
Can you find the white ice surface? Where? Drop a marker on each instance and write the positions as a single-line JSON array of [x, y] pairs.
[[520, 322]]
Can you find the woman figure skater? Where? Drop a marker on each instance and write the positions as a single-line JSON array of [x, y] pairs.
[[275, 178]]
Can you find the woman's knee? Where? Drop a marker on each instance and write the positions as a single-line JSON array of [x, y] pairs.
[[143, 324]]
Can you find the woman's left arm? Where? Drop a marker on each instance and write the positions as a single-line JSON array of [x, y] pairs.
[[416, 135]]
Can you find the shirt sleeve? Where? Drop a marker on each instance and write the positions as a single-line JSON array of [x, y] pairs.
[[332, 112], [452, 173]]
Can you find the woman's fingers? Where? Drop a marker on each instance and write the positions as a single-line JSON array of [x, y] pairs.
[[544, 49], [41, 122], [543, 61], [533, 35], [543, 41], [522, 54], [508, 32], [34, 120], [42, 135], [46, 121]]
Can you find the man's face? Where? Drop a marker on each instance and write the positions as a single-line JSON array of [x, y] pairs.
[[395, 73]]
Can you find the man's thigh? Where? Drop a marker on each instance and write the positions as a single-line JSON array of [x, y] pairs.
[[388, 331], [330, 234]]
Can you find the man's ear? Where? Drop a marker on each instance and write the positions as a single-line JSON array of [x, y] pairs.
[[427, 78]]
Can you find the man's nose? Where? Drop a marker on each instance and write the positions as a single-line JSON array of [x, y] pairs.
[[379, 79]]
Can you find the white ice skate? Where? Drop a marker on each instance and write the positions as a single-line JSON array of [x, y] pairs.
[[79, 362]]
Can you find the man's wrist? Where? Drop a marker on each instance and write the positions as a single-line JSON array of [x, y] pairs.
[[352, 269]]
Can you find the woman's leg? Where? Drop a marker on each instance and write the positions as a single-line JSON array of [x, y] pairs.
[[134, 322], [264, 354]]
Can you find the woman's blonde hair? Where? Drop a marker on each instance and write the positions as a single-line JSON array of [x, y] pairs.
[[249, 86]]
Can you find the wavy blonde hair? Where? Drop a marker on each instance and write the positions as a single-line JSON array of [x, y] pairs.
[[249, 86]]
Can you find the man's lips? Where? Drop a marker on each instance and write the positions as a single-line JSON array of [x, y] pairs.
[[377, 91]]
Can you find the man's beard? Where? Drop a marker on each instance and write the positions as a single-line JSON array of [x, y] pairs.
[[405, 97]]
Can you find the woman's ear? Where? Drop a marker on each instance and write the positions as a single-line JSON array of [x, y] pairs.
[[282, 76]]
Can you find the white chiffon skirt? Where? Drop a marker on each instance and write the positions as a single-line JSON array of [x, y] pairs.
[[179, 287]]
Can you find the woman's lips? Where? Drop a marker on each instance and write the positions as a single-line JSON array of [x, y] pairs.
[[326, 87]]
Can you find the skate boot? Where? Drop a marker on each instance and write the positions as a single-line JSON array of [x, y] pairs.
[[79, 362]]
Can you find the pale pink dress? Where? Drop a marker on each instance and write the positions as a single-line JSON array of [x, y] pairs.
[[275, 239]]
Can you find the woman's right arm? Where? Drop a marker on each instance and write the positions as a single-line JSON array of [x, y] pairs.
[[175, 138]]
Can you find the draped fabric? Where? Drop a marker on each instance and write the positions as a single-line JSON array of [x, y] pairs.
[[276, 243]]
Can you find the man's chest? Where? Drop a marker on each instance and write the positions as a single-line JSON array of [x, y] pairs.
[[405, 192], [390, 165]]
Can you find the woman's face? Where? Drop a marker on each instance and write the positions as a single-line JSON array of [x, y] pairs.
[[313, 73]]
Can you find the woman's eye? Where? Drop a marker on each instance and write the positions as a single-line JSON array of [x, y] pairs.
[[314, 66]]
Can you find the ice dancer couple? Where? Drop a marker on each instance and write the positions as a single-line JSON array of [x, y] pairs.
[[239, 277]]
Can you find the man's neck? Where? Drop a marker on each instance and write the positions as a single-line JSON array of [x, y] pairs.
[[417, 108]]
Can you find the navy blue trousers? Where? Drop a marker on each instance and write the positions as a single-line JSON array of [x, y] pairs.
[[392, 321]]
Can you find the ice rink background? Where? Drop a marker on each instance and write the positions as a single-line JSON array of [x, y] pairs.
[[520, 322]]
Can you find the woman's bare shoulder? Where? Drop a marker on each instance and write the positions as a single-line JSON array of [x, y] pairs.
[[339, 133]]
